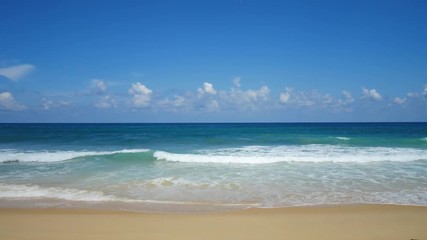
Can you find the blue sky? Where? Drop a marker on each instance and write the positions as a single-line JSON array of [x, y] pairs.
[[213, 61]]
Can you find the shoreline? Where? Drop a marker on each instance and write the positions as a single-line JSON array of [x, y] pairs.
[[310, 222]]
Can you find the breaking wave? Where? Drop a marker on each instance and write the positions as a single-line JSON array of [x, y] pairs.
[[56, 156], [293, 153]]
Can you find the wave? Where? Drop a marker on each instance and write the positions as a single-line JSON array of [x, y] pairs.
[[34, 191], [300, 153], [16, 191], [163, 182], [343, 138], [56, 156]]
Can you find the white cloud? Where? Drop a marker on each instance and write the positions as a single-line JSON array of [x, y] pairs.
[[207, 88], [371, 94], [301, 99], [263, 92], [327, 99], [417, 94], [249, 95], [236, 81], [176, 102], [314, 99], [49, 104], [413, 94], [251, 99], [141, 95], [17, 72], [285, 96], [399, 100], [138, 88], [254, 95], [347, 98], [106, 102], [99, 86], [213, 105], [306, 99], [8, 103]]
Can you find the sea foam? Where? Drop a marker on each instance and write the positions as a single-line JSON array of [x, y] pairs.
[[32, 192], [35, 191], [300, 153], [56, 156]]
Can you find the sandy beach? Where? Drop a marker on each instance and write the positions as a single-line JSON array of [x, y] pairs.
[[330, 222]]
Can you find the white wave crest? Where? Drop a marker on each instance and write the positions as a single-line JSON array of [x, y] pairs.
[[56, 156], [301, 153], [343, 138]]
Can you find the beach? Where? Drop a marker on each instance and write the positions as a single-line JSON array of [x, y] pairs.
[[326, 222], [213, 181]]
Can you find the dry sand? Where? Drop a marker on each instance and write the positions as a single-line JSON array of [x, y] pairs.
[[299, 223]]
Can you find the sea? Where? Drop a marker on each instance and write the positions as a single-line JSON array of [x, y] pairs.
[[210, 167]]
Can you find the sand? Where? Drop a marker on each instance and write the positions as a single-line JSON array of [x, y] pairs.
[[335, 222]]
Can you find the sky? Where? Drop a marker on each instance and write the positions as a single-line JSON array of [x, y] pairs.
[[213, 61]]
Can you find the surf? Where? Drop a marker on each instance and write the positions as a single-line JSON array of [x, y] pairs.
[[295, 153], [10, 156]]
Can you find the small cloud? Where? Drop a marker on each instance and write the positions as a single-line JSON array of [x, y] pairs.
[[254, 95], [213, 106], [425, 90], [106, 102], [49, 104], [347, 98], [302, 99], [207, 88], [8, 103], [413, 94], [399, 100], [327, 99], [285, 96], [236, 81], [141, 95], [263, 92], [251, 99], [178, 101], [17, 72], [99, 86], [315, 100], [371, 94], [347, 95]]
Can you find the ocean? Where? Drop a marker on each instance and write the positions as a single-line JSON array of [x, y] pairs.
[[212, 167]]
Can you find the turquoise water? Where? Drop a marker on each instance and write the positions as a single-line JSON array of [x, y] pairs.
[[212, 167]]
